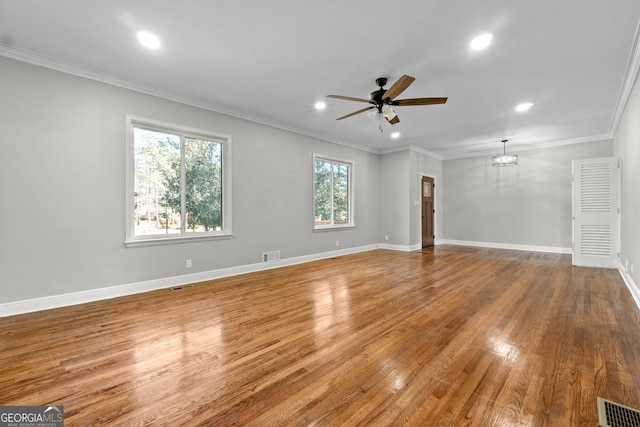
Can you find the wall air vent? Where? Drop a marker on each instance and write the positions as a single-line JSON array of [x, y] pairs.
[[271, 256]]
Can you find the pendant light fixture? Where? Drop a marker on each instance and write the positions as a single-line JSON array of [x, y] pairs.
[[504, 159]]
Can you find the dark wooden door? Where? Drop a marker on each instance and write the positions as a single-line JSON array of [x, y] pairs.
[[428, 189]]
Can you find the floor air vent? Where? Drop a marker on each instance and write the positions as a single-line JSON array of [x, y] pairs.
[[179, 288], [611, 414]]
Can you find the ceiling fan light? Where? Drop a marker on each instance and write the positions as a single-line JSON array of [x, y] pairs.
[[388, 112]]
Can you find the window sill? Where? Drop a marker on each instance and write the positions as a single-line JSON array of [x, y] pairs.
[[321, 228], [132, 243]]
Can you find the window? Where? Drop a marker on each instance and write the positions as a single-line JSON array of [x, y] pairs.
[[178, 185], [333, 193]]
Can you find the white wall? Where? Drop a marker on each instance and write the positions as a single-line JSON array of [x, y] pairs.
[[525, 205], [627, 148], [62, 186]]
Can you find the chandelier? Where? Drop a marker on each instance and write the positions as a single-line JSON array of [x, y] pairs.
[[504, 159]]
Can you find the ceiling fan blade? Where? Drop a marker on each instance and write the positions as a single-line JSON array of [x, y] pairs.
[[398, 87], [419, 101], [349, 98], [355, 112]]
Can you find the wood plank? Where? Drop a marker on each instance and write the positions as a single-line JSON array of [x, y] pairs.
[[445, 336]]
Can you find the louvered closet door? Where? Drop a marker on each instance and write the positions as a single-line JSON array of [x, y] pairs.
[[595, 212]]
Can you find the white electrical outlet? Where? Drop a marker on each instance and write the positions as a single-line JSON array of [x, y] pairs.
[[337, 243], [631, 268], [189, 263], [386, 237]]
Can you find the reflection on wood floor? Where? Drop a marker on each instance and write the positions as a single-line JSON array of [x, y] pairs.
[[447, 336]]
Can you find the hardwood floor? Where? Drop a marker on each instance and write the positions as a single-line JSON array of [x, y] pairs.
[[451, 336]]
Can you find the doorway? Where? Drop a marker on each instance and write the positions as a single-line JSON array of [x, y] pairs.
[[428, 211]]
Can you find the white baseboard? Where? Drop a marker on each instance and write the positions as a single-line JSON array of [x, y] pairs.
[[401, 248], [81, 297], [549, 249], [631, 285]]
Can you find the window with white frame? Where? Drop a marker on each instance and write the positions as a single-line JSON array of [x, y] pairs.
[[333, 193], [178, 183]]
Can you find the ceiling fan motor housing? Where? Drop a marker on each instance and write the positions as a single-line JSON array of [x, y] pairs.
[[376, 95]]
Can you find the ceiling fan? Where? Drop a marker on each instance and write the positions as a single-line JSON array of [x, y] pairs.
[[384, 99]]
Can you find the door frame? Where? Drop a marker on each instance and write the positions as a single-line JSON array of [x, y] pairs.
[[435, 208]]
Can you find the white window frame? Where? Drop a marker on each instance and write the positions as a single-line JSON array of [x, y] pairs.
[[226, 232], [350, 191]]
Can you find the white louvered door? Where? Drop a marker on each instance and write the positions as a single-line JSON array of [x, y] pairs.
[[596, 212]]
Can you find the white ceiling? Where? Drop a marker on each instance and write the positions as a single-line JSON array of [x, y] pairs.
[[271, 61]]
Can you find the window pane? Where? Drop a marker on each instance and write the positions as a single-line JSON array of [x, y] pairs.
[[340, 194], [203, 185], [179, 183], [322, 212], [332, 193], [156, 182]]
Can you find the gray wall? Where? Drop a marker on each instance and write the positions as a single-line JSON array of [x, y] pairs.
[[424, 165], [62, 184], [401, 174], [394, 211], [528, 204], [627, 148]]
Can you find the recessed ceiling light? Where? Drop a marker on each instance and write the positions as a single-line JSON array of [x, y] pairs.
[[481, 42], [395, 135], [524, 106], [148, 40], [320, 105]]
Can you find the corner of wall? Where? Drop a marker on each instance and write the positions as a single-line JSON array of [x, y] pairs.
[[631, 285]]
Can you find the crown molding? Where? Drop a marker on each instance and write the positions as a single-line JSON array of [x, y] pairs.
[[427, 153], [534, 146], [33, 58], [631, 75]]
